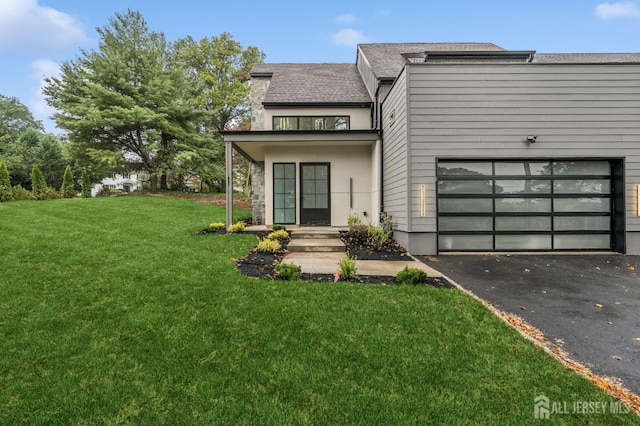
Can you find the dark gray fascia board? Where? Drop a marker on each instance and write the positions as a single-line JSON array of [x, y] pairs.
[[261, 74], [299, 132], [317, 104], [509, 54]]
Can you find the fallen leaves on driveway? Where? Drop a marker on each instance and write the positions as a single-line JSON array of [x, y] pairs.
[[609, 385], [598, 305], [618, 357]]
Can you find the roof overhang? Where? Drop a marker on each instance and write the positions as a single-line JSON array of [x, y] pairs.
[[506, 55], [252, 143], [275, 105]]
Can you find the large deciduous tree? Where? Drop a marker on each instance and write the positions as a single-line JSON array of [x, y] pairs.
[[217, 69], [124, 103]]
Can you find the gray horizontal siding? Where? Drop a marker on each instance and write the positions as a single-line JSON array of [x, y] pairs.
[[394, 155], [487, 111]]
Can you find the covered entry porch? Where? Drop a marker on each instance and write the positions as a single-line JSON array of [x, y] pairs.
[[312, 178]]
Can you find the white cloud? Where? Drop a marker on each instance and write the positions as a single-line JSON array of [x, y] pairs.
[[345, 19], [27, 26], [41, 69], [349, 37], [626, 9]]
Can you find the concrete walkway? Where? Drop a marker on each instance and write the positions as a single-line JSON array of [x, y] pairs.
[[327, 263]]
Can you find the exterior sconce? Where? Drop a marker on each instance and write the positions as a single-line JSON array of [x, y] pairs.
[[638, 199], [532, 138], [423, 200]]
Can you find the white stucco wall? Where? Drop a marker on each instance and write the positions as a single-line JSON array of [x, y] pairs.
[[347, 162]]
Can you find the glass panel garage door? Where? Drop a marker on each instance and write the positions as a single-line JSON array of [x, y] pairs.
[[524, 205]]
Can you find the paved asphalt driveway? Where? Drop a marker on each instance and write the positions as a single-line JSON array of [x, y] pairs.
[[590, 303]]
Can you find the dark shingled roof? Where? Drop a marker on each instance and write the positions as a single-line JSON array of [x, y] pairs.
[[386, 59], [313, 84], [585, 58]]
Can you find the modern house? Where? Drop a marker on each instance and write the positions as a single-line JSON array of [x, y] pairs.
[[127, 182], [467, 146]]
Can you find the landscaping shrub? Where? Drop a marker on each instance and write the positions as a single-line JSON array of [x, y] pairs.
[[278, 227], [21, 194], [377, 237], [215, 226], [268, 246], [105, 191], [116, 191], [67, 190], [38, 184], [289, 271], [347, 268], [51, 194], [86, 185], [278, 235], [236, 227], [358, 233], [411, 276], [6, 192]]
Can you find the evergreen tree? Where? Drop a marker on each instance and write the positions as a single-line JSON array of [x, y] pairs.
[[68, 185], [38, 184], [86, 185], [6, 192], [125, 102]]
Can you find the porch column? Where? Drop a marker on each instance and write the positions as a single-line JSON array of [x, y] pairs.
[[229, 180]]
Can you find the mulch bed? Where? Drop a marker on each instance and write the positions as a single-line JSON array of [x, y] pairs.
[[262, 265], [391, 250]]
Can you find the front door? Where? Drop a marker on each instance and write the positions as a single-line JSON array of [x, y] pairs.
[[315, 190]]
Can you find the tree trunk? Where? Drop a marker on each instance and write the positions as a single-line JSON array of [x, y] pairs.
[[163, 181], [153, 181]]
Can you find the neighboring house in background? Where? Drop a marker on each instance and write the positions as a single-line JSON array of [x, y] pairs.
[[127, 182], [468, 146]]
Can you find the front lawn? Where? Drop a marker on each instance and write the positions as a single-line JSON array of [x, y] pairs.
[[112, 311]]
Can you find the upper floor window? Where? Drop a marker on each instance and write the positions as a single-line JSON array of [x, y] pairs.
[[311, 123]]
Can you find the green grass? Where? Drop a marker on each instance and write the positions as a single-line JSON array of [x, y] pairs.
[[112, 311]]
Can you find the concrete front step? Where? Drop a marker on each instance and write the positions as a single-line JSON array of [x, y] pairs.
[[315, 233], [318, 245]]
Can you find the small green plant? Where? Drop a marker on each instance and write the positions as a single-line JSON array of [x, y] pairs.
[[215, 226], [268, 246], [289, 271], [116, 191], [67, 190], [353, 220], [278, 227], [411, 276], [236, 227], [377, 237], [278, 235], [347, 268], [86, 185], [21, 194], [38, 184], [6, 192]]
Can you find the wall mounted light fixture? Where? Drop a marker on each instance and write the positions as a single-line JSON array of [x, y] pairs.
[[423, 200], [532, 138], [638, 199]]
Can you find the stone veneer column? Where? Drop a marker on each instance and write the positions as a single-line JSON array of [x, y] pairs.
[[259, 86], [257, 196]]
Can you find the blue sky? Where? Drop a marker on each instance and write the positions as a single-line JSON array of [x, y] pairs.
[[37, 35]]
